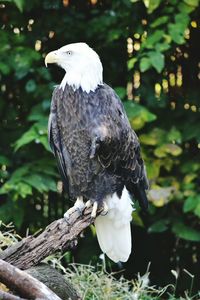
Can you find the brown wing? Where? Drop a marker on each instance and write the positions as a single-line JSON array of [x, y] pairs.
[[117, 147], [55, 140]]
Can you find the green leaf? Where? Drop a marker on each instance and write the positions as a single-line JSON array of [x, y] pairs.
[[184, 8], [134, 110], [145, 64], [173, 149], [35, 180], [151, 5], [23, 189], [26, 138], [159, 21], [37, 133], [4, 160], [176, 33], [137, 220], [4, 68], [159, 226], [120, 91], [19, 174], [44, 141], [165, 149], [42, 183], [153, 168], [155, 137], [12, 212], [157, 60], [174, 135], [153, 38], [19, 4], [131, 63], [160, 151], [182, 21], [194, 3], [190, 204], [185, 232], [30, 86], [197, 210], [162, 47]]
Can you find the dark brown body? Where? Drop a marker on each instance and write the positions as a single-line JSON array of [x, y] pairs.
[[97, 151]]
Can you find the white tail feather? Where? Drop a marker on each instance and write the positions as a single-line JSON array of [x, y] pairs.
[[113, 230]]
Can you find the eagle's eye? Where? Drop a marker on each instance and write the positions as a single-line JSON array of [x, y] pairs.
[[69, 53]]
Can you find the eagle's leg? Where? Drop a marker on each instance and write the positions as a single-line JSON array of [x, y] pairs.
[[95, 205], [78, 206]]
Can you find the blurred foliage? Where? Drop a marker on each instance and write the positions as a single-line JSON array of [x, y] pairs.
[[150, 55]]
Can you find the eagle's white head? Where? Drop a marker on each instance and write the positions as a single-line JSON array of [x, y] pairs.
[[81, 63]]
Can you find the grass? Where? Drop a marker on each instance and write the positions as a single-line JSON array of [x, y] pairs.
[[94, 283]]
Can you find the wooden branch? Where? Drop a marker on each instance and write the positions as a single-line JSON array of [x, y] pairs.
[[24, 284], [8, 296], [55, 281], [58, 236]]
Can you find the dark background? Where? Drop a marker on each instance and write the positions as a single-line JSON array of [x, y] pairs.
[[150, 53]]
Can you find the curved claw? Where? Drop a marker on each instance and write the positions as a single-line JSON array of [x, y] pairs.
[[105, 209], [78, 206], [95, 206], [88, 204], [94, 210]]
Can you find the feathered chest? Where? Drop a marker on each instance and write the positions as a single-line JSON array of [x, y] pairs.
[[76, 111]]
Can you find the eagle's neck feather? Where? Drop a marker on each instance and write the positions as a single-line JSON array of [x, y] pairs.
[[87, 78]]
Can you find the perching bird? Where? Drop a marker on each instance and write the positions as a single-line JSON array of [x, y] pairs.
[[98, 153]]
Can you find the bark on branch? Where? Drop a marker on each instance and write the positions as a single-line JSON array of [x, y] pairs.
[[8, 296], [24, 284], [58, 236]]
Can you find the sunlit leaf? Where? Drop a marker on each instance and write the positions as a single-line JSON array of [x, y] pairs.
[[145, 64], [174, 135], [37, 133], [131, 63], [151, 5], [159, 21], [154, 137], [176, 33], [153, 38], [153, 169], [173, 149], [157, 60], [23, 189], [194, 3], [135, 110]]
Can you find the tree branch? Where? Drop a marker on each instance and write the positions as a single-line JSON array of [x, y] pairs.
[[58, 236], [24, 284], [8, 296]]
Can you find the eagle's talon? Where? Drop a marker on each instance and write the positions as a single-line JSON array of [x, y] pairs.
[[105, 209], [88, 204], [94, 210], [78, 206]]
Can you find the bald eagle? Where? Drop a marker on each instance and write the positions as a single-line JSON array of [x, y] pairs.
[[97, 151]]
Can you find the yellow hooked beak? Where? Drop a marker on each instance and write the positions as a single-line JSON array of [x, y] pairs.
[[51, 58]]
